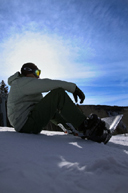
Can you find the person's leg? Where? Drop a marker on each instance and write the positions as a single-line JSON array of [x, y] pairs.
[[58, 119], [57, 101]]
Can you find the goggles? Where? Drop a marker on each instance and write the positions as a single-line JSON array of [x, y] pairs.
[[37, 73]]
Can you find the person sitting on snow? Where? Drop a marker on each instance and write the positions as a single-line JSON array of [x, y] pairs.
[[29, 112]]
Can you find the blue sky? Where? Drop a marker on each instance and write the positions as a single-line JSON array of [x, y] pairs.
[[82, 41]]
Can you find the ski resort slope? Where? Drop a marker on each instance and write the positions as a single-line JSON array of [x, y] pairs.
[[54, 162]]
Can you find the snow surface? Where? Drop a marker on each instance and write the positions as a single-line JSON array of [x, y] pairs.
[[54, 162]]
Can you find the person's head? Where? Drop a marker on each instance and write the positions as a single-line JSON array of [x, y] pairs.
[[30, 70]]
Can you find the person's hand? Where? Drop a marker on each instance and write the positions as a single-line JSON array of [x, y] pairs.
[[78, 93]]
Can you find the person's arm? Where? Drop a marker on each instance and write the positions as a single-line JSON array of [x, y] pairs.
[[33, 85]]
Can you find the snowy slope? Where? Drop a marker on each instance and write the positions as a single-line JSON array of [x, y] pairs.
[[54, 162]]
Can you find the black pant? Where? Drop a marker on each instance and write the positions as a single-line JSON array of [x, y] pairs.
[[57, 107]]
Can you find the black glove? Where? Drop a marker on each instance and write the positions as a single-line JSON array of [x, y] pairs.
[[80, 94]]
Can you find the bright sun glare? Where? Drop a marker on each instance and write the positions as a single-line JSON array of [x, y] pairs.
[[55, 57], [49, 54]]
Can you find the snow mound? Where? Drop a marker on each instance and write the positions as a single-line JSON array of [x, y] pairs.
[[57, 162]]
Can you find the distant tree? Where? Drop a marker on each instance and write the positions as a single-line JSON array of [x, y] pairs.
[[3, 88]]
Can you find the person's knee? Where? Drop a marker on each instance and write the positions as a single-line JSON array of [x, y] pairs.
[[59, 90]]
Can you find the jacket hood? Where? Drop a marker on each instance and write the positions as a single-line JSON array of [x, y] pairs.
[[13, 77]]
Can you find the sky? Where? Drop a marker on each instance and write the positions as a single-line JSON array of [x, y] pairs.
[[81, 41]]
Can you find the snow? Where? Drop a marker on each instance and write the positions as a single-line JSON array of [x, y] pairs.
[[54, 162]]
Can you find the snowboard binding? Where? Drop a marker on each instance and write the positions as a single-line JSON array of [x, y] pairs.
[[95, 129], [98, 131]]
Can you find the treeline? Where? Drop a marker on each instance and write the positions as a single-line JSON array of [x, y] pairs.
[[3, 104]]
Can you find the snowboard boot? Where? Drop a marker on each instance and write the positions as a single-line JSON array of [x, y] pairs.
[[94, 129]]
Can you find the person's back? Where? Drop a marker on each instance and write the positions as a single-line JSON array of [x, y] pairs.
[[19, 104]]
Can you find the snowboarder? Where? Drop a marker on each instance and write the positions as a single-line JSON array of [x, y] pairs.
[[29, 112]]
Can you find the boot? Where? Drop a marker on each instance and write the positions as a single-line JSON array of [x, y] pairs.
[[94, 129]]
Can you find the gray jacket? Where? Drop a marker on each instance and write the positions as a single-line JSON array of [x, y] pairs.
[[25, 92]]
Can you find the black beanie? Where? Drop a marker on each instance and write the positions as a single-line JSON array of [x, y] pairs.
[[28, 68]]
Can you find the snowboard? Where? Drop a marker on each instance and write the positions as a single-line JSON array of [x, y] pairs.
[[111, 123]]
